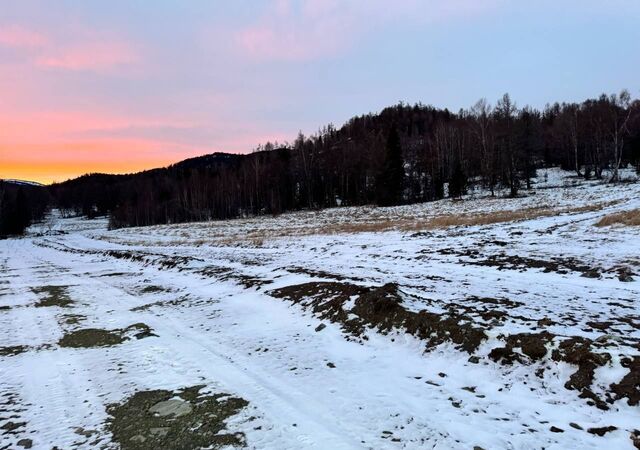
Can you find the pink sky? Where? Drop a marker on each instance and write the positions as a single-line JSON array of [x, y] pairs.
[[123, 86]]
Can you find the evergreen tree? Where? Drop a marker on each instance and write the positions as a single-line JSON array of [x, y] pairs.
[[389, 181], [15, 215], [6, 210], [457, 182], [438, 187], [23, 212]]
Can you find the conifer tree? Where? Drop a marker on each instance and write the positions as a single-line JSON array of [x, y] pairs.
[[457, 182], [390, 180]]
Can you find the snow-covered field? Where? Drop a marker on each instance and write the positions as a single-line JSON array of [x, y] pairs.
[[344, 328]]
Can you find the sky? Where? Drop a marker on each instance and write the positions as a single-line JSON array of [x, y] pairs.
[[125, 85]]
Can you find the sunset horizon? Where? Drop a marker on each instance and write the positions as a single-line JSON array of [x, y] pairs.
[[320, 224], [75, 160], [115, 91]]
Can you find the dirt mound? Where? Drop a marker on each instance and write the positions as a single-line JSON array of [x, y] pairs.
[[577, 351], [381, 308], [533, 345], [324, 299], [357, 308], [629, 386], [163, 261]]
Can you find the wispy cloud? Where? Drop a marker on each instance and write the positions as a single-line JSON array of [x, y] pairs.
[[14, 36], [288, 33], [303, 30], [86, 50], [97, 56]]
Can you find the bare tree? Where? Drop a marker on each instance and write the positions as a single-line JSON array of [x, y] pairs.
[[620, 111], [481, 113], [505, 112]]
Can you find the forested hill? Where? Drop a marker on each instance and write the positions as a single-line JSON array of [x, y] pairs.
[[403, 154], [21, 202]]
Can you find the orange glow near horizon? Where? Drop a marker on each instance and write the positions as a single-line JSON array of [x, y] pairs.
[[119, 87], [50, 153], [47, 172], [48, 163], [49, 147]]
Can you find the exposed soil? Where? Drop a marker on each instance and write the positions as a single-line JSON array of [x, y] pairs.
[[13, 425], [25, 443], [163, 261], [381, 308], [228, 274], [635, 438], [113, 274], [160, 303], [91, 337], [72, 319], [557, 265], [601, 431], [53, 296], [495, 301], [13, 350], [94, 337], [357, 308], [629, 386], [152, 289], [532, 345], [320, 274], [183, 419], [577, 351]]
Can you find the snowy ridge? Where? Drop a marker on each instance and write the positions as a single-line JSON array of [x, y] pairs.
[[22, 182]]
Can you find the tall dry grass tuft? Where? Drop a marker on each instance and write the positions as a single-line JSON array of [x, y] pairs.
[[629, 218]]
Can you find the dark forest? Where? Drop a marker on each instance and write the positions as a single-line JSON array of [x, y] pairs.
[[404, 154]]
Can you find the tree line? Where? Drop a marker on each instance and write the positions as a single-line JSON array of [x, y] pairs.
[[20, 205], [404, 154]]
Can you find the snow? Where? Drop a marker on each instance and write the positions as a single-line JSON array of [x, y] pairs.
[[384, 392]]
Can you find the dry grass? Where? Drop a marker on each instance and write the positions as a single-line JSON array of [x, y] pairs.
[[372, 222], [451, 220], [377, 224], [629, 218]]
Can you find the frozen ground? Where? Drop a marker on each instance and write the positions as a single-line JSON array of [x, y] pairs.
[[338, 328]]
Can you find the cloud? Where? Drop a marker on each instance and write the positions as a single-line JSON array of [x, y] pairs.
[[14, 36], [310, 29], [290, 34], [82, 50], [98, 56]]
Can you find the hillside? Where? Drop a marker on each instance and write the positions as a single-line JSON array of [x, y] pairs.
[[474, 323], [404, 154]]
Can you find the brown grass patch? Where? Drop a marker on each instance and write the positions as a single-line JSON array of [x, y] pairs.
[[629, 218], [378, 223], [410, 224]]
